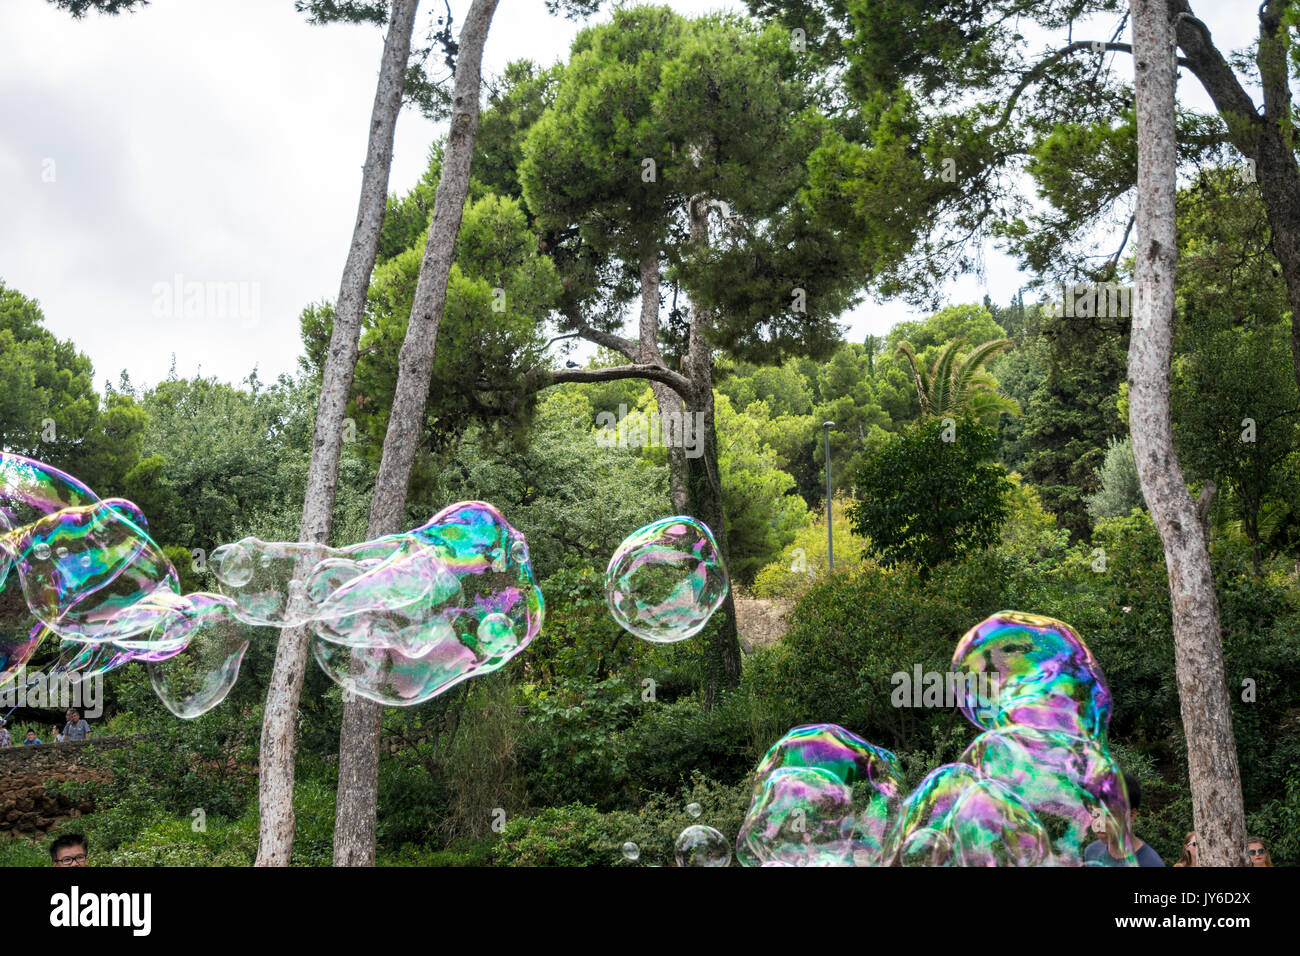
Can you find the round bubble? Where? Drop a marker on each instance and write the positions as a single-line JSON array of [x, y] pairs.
[[693, 810], [872, 773], [666, 579], [1041, 674], [631, 852], [701, 846], [802, 815]]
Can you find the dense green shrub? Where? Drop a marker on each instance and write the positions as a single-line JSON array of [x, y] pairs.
[[570, 835], [580, 835], [673, 740], [857, 628], [569, 750]]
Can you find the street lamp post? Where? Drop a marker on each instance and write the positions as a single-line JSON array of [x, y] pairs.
[[830, 542]]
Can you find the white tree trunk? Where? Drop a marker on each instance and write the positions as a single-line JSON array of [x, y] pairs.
[[354, 824], [1198, 652], [279, 739]]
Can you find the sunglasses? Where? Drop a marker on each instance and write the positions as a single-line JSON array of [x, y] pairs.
[[1255, 852]]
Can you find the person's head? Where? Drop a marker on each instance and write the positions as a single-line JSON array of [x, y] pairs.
[[31, 735], [1189, 851], [73, 716], [1258, 853], [69, 850]]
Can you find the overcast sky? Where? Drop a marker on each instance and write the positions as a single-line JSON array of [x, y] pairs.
[[220, 143]]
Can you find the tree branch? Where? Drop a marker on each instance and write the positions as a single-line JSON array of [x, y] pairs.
[[625, 347], [539, 379]]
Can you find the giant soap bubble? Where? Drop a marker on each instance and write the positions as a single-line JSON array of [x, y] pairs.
[[397, 620], [665, 580]]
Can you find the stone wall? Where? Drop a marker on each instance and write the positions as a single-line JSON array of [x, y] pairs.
[[25, 772]]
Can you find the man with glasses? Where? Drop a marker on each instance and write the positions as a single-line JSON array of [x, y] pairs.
[[69, 850]]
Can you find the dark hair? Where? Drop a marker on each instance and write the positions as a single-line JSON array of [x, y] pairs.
[[68, 839], [1134, 789]]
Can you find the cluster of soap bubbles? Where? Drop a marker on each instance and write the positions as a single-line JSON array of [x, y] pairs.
[[1032, 789], [396, 620], [665, 580]]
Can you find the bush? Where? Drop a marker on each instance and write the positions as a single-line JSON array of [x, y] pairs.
[[856, 629], [673, 741], [930, 494], [580, 835], [571, 835]]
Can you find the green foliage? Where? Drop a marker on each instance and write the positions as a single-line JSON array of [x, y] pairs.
[[960, 389], [573, 497], [569, 835], [1073, 413], [804, 559], [762, 511], [580, 835], [1118, 489], [1234, 396], [930, 494], [853, 631]]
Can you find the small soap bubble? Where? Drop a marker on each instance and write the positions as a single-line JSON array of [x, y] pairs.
[[693, 809], [631, 852], [701, 846]]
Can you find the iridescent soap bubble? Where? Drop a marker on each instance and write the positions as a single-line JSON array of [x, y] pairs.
[[701, 846], [992, 826], [482, 608], [386, 603], [261, 579], [1067, 781], [199, 676], [666, 579], [802, 815], [693, 810], [1044, 676], [872, 773], [924, 831], [82, 567], [631, 852], [31, 490]]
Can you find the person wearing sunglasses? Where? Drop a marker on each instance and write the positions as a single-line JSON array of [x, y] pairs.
[[69, 850], [1259, 855], [1189, 851]]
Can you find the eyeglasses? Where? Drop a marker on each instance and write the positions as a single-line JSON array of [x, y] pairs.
[[1255, 852], [77, 860], [1192, 844]]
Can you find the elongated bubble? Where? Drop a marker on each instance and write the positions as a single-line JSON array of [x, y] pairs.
[[198, 677], [666, 579], [477, 607]]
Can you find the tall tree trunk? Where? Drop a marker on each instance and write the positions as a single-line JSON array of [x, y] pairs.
[[668, 401], [1198, 652], [354, 825], [279, 741], [704, 481]]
